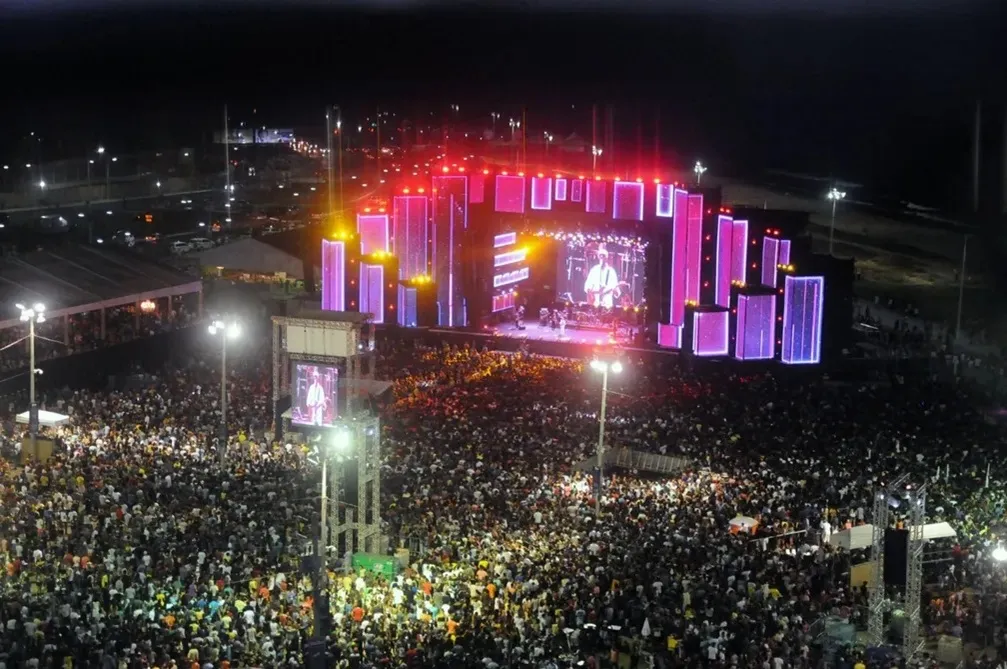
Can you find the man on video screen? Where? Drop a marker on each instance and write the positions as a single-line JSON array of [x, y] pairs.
[[316, 400], [602, 282]]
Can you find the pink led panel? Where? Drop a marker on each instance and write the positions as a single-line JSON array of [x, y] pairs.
[[372, 292], [669, 336], [576, 190], [802, 320], [561, 189], [411, 235], [505, 301], [627, 201], [739, 252], [541, 193], [504, 239], [710, 333], [333, 275], [509, 194], [665, 200], [694, 250], [722, 272], [373, 231], [770, 259], [755, 334], [679, 258], [596, 193], [477, 188], [784, 252]]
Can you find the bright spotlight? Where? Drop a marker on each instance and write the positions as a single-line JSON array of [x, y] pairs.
[[1000, 554]]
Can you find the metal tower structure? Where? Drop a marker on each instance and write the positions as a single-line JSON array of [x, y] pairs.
[[882, 517]]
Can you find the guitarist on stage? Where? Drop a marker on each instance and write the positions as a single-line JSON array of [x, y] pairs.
[[602, 282]]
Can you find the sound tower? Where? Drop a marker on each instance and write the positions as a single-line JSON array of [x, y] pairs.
[[896, 553]]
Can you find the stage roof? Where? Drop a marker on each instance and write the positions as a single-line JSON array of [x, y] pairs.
[[76, 279]]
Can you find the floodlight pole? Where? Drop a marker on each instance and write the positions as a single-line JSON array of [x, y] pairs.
[[222, 434], [324, 529], [961, 290], [328, 156], [601, 440], [32, 405]]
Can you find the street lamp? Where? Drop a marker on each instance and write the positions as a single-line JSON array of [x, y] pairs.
[[41, 184], [699, 169], [32, 315], [604, 368], [1000, 554], [596, 152], [548, 141], [835, 195], [225, 331]]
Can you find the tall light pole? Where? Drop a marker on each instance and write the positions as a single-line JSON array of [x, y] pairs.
[[698, 169], [961, 290], [835, 195], [604, 368], [548, 141], [225, 331], [32, 315], [596, 152], [328, 158]]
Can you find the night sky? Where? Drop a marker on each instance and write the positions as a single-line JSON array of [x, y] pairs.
[[877, 93]]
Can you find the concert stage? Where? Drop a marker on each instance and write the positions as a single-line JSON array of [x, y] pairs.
[[537, 332]]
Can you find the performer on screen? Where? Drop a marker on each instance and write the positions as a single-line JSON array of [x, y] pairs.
[[602, 282], [316, 400]]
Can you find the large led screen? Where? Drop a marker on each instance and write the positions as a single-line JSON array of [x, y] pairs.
[[755, 337], [373, 231], [802, 320], [510, 194], [710, 335], [541, 193], [605, 271], [627, 201], [596, 194], [315, 394]]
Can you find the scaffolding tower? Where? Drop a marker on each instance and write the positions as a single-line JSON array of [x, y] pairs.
[[882, 518]]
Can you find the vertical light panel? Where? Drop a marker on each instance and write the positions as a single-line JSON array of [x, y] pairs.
[[710, 335], [694, 251], [411, 229], [679, 258], [576, 190], [627, 201], [373, 231], [802, 320], [755, 332], [450, 219], [784, 257], [770, 259], [669, 336], [596, 193], [541, 193], [477, 188], [372, 292], [739, 252], [333, 275], [722, 270], [665, 200], [509, 194], [561, 189], [407, 307]]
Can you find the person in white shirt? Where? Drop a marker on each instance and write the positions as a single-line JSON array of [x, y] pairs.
[[602, 282], [316, 400]]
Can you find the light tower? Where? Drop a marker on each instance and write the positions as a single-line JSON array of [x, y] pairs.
[[699, 169], [32, 315], [834, 196]]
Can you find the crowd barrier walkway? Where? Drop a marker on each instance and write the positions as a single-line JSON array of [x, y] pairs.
[[627, 458]]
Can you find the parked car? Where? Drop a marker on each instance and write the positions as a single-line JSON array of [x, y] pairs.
[[201, 243], [180, 247]]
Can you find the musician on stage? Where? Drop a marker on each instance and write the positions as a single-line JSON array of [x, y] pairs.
[[602, 282], [316, 400]]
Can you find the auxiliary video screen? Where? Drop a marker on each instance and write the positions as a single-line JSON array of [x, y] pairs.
[[315, 395], [602, 271]]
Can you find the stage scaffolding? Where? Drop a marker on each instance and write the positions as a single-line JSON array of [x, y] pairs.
[[879, 603]]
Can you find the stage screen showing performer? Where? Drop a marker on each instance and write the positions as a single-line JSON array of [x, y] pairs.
[[605, 273], [315, 393]]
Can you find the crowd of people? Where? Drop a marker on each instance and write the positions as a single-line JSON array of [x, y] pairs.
[[138, 545]]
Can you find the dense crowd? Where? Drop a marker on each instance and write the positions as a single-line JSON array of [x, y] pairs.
[[134, 547]]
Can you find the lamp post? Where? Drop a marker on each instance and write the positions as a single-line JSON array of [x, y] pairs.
[[604, 368], [835, 195], [548, 141], [699, 169], [225, 331], [596, 152], [961, 290], [32, 315]]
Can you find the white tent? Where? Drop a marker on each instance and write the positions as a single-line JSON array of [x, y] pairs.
[[45, 418], [862, 536]]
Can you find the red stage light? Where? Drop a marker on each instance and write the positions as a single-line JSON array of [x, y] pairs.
[[581, 176], [639, 180], [520, 174], [381, 210], [405, 191], [657, 181], [597, 178], [461, 169], [486, 171], [445, 169], [420, 190], [503, 173], [540, 175], [367, 210]]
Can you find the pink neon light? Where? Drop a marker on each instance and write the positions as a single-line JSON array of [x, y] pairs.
[[510, 194], [755, 334], [770, 259], [372, 292], [722, 272], [409, 216], [596, 193], [669, 336], [802, 320], [477, 188], [504, 301], [679, 258], [627, 201], [694, 253], [576, 190], [739, 252], [373, 231], [541, 193], [333, 275], [561, 190], [710, 335], [665, 200], [509, 258]]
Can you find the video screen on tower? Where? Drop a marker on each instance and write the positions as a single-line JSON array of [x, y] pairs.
[[601, 271], [315, 394]]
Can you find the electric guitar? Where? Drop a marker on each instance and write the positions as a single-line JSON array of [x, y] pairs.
[[595, 297]]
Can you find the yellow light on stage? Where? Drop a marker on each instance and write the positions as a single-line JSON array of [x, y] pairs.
[[147, 306]]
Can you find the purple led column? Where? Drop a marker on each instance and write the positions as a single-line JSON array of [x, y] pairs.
[[627, 201], [477, 188], [679, 258], [694, 252], [407, 307], [802, 320], [410, 226], [450, 219], [710, 335], [665, 200], [669, 336], [509, 194], [770, 259], [372, 292], [596, 192], [373, 231], [333, 275], [739, 252], [541, 193], [576, 190], [755, 335], [784, 258], [722, 271], [561, 189]]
